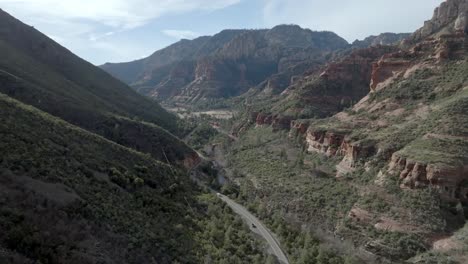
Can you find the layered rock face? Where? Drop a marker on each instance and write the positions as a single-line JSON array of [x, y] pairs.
[[352, 152], [278, 122], [330, 89], [356, 66], [449, 17], [298, 128], [228, 63], [428, 86], [392, 65], [448, 179], [331, 144], [388, 66], [324, 142]]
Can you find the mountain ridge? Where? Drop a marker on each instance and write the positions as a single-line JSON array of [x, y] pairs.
[[92, 172], [394, 153], [38, 71], [235, 53]]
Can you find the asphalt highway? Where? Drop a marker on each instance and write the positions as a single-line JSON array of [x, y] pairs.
[[259, 227]]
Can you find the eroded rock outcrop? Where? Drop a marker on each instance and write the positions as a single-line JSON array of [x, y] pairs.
[[388, 66], [298, 128], [334, 87], [393, 65], [324, 142], [449, 17], [357, 65], [352, 152], [448, 179], [332, 143], [278, 122]]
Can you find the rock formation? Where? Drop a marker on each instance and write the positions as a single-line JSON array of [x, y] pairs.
[[449, 17], [228, 64], [414, 174]]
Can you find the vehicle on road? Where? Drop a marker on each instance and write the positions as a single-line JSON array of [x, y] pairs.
[[253, 225]]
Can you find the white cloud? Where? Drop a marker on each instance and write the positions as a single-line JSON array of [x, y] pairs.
[[122, 14], [180, 34], [86, 26]]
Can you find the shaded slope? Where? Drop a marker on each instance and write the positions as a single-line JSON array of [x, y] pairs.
[[70, 196], [45, 56], [78, 197], [39, 72]]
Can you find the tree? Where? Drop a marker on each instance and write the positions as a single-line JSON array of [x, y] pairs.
[[300, 160], [228, 238], [323, 257], [271, 260], [283, 154]]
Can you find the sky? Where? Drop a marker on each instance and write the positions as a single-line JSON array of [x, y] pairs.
[[124, 30]]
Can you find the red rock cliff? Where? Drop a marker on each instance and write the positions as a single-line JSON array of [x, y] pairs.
[[448, 179]]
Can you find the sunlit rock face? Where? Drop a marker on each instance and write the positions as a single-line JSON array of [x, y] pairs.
[[448, 179], [449, 17], [228, 63]]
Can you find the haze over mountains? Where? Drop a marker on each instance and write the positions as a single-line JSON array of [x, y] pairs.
[[348, 153], [232, 61], [226, 64]]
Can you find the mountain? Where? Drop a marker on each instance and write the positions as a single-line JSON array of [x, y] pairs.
[[382, 39], [37, 71], [71, 196], [348, 153], [226, 64], [371, 148], [68, 195], [92, 172], [451, 16]]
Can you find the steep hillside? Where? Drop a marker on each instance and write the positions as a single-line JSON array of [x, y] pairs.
[[70, 196], [227, 64], [89, 172], [134, 71], [327, 89], [37, 71], [389, 173]]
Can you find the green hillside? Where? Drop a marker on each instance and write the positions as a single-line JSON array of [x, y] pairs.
[[54, 80], [72, 196]]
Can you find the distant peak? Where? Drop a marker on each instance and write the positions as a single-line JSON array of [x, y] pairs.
[[450, 16], [287, 26]]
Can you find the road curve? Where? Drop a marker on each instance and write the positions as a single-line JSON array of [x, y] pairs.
[[260, 228]]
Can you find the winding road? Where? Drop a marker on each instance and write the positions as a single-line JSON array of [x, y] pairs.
[[253, 222], [259, 228]]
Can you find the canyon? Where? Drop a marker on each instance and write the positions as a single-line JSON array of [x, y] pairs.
[[336, 152]]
